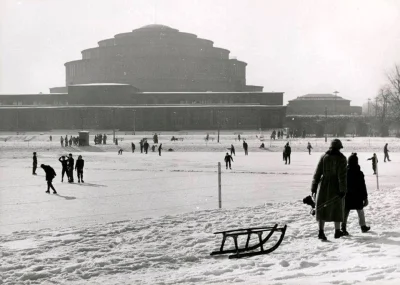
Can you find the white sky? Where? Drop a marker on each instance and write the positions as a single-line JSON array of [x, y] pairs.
[[298, 47]]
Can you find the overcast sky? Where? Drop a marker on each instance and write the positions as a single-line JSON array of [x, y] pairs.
[[298, 47]]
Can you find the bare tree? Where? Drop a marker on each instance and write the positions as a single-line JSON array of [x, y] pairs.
[[393, 92]]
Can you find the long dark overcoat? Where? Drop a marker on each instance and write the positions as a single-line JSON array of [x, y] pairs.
[[331, 176], [356, 188]]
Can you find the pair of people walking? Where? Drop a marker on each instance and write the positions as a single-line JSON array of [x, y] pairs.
[[337, 188]]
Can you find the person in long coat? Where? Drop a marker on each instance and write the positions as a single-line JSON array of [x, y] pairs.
[[332, 173], [356, 196]]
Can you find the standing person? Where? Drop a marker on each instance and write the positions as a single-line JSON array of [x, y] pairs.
[[159, 149], [34, 165], [51, 138], [288, 152], [133, 147], [116, 141], [239, 137], [70, 168], [50, 174], [146, 146], [64, 165], [120, 151], [233, 150], [374, 162], [228, 159], [356, 196], [104, 139], [386, 152], [332, 173], [70, 141], [309, 147], [62, 141], [141, 145], [79, 168], [245, 147]]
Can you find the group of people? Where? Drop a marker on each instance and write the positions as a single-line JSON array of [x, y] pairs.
[[69, 142], [278, 134], [338, 187], [100, 139], [68, 166], [144, 146]]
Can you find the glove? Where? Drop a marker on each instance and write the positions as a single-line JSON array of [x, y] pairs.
[[365, 202], [341, 194]]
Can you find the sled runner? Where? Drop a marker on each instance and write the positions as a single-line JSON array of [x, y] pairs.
[[248, 250]]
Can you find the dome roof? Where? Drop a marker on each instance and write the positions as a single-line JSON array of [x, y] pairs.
[[319, 97], [157, 27]]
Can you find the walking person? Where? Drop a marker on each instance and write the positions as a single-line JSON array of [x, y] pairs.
[[232, 150], [288, 152], [386, 152], [79, 168], [64, 165], [309, 147], [146, 147], [133, 147], [245, 147], [374, 159], [356, 196], [120, 151], [332, 173], [62, 141], [228, 158], [159, 149], [70, 168], [34, 164], [50, 174]]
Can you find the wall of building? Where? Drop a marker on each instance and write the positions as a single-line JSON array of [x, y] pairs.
[[317, 107]]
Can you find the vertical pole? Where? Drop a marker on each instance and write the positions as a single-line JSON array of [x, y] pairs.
[[219, 185], [218, 125], [377, 176], [326, 118]]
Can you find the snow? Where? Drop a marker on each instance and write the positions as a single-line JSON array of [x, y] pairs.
[[145, 219]]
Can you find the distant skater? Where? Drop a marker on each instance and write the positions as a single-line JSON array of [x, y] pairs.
[[386, 152], [79, 168], [159, 149], [374, 162], [70, 168], [64, 164], [146, 147], [141, 146], [133, 147], [309, 147], [228, 159], [233, 150], [287, 153], [50, 174], [34, 165], [51, 138], [120, 151], [62, 141], [245, 147]]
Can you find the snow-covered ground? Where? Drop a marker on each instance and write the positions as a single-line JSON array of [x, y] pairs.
[[145, 219]]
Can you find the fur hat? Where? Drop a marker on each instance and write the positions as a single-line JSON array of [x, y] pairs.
[[336, 144], [353, 159]]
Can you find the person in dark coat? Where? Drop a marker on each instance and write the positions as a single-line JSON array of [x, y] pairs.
[[386, 153], [70, 168], [309, 147], [159, 149], [141, 145], [332, 173], [62, 141], [80, 163], [70, 141], [245, 147], [374, 162], [34, 164], [228, 159], [356, 196], [104, 139], [146, 147], [50, 174], [288, 152], [133, 147], [233, 150], [64, 165]]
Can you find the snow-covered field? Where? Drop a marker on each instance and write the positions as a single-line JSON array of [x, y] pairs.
[[145, 219]]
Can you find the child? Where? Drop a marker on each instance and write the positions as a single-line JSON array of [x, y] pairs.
[[356, 196]]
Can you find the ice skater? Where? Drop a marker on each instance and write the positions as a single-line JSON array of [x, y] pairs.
[[62, 141], [245, 147], [374, 162], [356, 196], [34, 164], [309, 147], [159, 149], [332, 167], [70, 168], [64, 165], [228, 159], [287, 152], [232, 149], [120, 151], [146, 146], [79, 168], [133, 147], [50, 174], [386, 153]]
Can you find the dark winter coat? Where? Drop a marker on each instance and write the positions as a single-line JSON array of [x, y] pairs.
[[34, 160], [288, 150], [332, 173], [64, 163], [356, 188], [71, 163], [228, 158], [79, 164], [50, 173]]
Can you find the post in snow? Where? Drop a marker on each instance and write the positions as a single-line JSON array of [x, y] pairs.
[[219, 185], [377, 177]]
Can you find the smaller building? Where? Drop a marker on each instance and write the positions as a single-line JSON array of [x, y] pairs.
[[315, 104]]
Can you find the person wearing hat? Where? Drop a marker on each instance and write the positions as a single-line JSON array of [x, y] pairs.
[[34, 165], [50, 174], [356, 196], [79, 168], [329, 187], [374, 159], [70, 166]]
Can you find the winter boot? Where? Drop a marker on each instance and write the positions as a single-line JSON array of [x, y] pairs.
[[47, 191], [54, 192], [365, 229], [344, 231], [338, 233], [321, 235]]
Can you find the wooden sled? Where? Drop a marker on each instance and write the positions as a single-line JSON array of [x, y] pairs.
[[248, 250]]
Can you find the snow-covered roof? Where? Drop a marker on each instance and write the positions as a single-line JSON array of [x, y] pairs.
[[100, 84]]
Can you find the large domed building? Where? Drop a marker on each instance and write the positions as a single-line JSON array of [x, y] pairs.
[[160, 58]]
